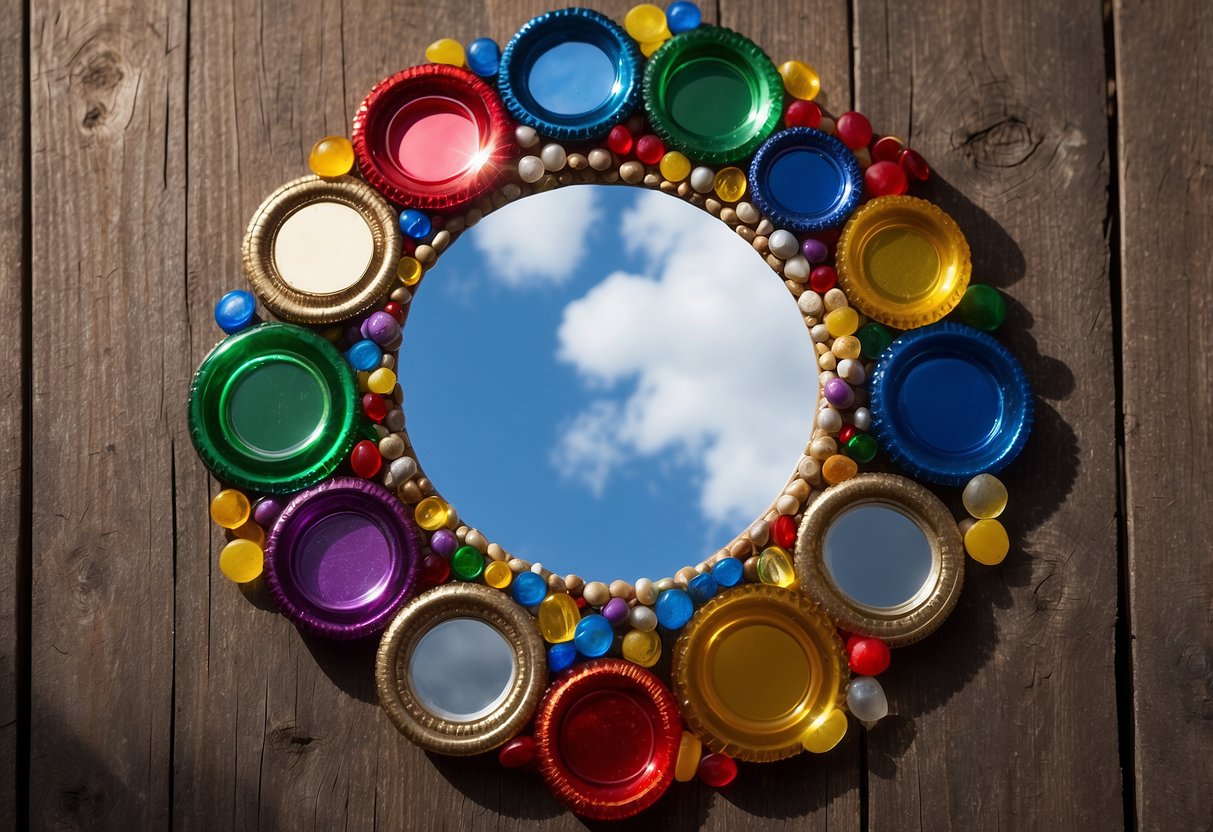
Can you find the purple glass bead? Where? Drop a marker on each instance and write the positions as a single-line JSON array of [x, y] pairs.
[[444, 543], [839, 393], [381, 328], [266, 511], [615, 611], [814, 250]]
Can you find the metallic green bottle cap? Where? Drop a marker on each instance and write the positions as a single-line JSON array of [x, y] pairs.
[[273, 409], [712, 94]]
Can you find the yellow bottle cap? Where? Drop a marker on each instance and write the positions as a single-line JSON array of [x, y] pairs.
[[903, 261], [755, 668]]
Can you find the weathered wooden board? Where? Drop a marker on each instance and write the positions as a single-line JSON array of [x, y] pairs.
[[1166, 240], [1007, 717]]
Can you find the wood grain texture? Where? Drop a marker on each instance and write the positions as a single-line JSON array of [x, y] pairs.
[[1006, 718], [14, 274], [107, 132], [1166, 238]]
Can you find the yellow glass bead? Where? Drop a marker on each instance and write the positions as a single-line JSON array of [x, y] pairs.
[[643, 648], [382, 381], [842, 321], [332, 156], [498, 574], [986, 542], [251, 532], [985, 497], [650, 46], [445, 51], [432, 513], [730, 184], [775, 567], [241, 561], [690, 749], [230, 508], [800, 80], [838, 468], [825, 732], [558, 617], [409, 271], [646, 23], [847, 346], [675, 167]]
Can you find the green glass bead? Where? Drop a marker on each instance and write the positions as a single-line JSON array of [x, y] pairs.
[[467, 563], [982, 307], [861, 447], [874, 339]]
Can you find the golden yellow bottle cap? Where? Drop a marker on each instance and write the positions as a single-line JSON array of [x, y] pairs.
[[903, 261], [755, 668]]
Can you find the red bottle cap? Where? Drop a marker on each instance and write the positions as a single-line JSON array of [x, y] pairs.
[[433, 137], [608, 733]]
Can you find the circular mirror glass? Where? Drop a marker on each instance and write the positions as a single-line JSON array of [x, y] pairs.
[[462, 669], [572, 78], [607, 380], [878, 556], [323, 248]]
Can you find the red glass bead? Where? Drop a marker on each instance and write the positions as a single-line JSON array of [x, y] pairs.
[[410, 245], [619, 140], [365, 459], [885, 179], [783, 531], [374, 407], [869, 656], [845, 434], [802, 114], [649, 149], [854, 129], [434, 572], [848, 639], [914, 165], [822, 279], [395, 310], [887, 149], [518, 752], [717, 770], [582, 603]]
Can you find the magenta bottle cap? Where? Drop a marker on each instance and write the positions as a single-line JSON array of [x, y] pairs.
[[342, 558]]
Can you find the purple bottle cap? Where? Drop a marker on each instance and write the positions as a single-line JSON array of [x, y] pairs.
[[342, 558]]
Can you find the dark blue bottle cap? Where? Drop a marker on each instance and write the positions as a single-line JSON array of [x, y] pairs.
[[570, 74], [235, 311], [949, 402], [805, 180]]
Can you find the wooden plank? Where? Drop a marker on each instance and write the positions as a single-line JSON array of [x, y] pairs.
[[1006, 718], [14, 276], [1166, 233], [107, 131]]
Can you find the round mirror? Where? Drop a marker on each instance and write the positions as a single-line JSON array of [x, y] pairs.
[[571, 78], [883, 556], [323, 248], [462, 669], [608, 381], [878, 556]]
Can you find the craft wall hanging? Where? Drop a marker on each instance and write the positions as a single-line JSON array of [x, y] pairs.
[[775, 641]]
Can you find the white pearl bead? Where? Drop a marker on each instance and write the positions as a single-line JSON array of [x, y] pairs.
[[851, 371], [553, 157], [866, 699], [703, 179], [829, 420], [797, 268], [530, 169], [862, 418], [783, 244], [526, 136], [820, 332], [810, 305], [643, 618]]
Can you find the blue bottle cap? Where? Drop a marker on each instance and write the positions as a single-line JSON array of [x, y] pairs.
[[949, 402], [805, 180], [570, 74], [235, 311]]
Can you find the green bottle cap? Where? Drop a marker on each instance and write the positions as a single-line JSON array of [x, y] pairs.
[[274, 409], [712, 94]]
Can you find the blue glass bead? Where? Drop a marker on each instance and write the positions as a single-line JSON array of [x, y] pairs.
[[728, 571], [674, 608], [483, 57], [702, 589], [682, 16], [364, 356], [415, 224], [561, 656], [594, 636], [235, 311], [529, 589]]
